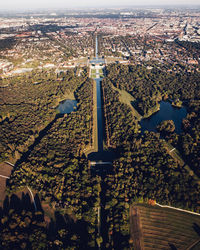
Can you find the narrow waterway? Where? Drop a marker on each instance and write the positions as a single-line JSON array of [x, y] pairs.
[[96, 43], [101, 160], [101, 157], [99, 116]]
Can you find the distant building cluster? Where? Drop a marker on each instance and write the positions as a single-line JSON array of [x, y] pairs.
[[67, 41]]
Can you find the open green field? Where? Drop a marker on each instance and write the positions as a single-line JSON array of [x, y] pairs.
[[153, 227], [126, 98], [93, 73], [101, 73]]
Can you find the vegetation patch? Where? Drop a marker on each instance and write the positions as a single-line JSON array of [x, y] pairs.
[[160, 228]]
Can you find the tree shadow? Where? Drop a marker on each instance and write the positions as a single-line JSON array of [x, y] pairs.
[[108, 155], [6, 205], [15, 203], [69, 231], [172, 246], [120, 241], [26, 202], [19, 204], [64, 229], [38, 203], [196, 228]]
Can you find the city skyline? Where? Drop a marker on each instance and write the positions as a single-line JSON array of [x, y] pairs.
[[45, 4]]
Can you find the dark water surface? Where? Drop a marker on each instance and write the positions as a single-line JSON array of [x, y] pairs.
[[99, 116], [166, 112], [67, 106], [101, 155]]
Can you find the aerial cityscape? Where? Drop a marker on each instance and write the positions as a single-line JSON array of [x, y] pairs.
[[100, 126]]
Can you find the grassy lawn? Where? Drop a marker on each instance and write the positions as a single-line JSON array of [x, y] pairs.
[[127, 99], [68, 95], [101, 74], [93, 76]]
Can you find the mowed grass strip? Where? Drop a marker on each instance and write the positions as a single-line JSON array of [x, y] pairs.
[[163, 226]]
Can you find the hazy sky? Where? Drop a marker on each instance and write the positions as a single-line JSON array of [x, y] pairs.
[[19, 4]]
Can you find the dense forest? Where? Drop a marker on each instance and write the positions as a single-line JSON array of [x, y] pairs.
[[145, 172], [148, 87], [117, 116], [28, 104], [54, 165], [59, 152], [24, 228], [50, 150]]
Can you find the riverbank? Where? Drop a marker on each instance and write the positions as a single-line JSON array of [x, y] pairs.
[[152, 111]]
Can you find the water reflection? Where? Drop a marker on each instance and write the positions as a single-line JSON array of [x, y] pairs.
[[67, 106], [166, 112]]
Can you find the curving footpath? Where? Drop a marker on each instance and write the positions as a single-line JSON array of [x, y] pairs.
[[33, 200]]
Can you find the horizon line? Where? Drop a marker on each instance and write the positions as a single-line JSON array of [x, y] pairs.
[[34, 8]]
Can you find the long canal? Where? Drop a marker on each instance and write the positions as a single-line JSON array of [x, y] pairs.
[[96, 62], [101, 159], [99, 116]]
